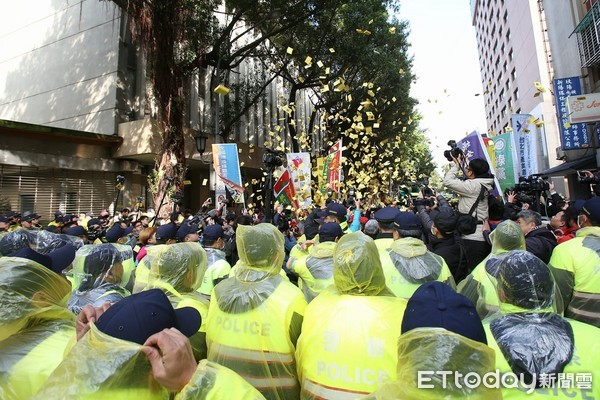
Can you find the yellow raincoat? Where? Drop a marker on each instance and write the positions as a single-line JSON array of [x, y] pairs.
[[315, 269], [350, 331], [531, 338], [100, 274], [100, 366], [212, 381], [178, 269], [436, 349], [480, 285], [409, 264], [35, 325], [255, 317]]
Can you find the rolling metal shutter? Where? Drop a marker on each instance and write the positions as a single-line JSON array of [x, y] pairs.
[[49, 190]]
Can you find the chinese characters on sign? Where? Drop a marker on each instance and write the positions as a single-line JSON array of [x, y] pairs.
[[573, 136]]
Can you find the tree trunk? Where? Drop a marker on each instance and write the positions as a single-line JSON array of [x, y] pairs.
[[170, 164], [291, 119]]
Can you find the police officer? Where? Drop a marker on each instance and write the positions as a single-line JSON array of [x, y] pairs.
[[178, 270], [440, 332], [35, 325], [255, 318], [408, 263], [336, 212], [575, 263], [350, 331], [385, 219], [315, 269], [29, 220], [213, 240], [480, 285], [531, 338]]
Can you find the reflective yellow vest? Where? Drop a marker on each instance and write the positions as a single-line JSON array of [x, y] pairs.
[[194, 300], [575, 265], [212, 381], [348, 345], [396, 282], [256, 343], [217, 270], [480, 287], [313, 279], [28, 358], [585, 360], [102, 367]]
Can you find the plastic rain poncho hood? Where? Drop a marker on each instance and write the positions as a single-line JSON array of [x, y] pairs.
[[436, 349], [29, 291], [100, 274], [357, 267], [532, 337]]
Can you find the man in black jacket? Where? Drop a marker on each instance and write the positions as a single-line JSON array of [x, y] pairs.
[[442, 238], [540, 241]]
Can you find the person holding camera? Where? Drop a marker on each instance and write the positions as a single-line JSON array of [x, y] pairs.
[[472, 200]]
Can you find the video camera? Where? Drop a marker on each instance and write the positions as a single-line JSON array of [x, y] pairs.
[[120, 182], [532, 183], [587, 177], [454, 151], [427, 202], [273, 158], [94, 234]]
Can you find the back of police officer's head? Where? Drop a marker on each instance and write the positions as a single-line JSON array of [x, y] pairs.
[[407, 224], [525, 281]]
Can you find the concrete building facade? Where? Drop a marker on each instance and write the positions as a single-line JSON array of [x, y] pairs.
[[75, 101], [514, 53]]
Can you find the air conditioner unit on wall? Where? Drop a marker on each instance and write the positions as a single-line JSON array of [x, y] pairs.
[[560, 154]]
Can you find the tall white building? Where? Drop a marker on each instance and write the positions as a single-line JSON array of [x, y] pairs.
[[513, 54], [76, 110]]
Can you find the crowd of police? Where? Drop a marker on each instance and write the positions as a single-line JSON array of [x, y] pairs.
[[330, 303]]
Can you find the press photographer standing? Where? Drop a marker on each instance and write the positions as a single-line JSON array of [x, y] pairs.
[[469, 189]]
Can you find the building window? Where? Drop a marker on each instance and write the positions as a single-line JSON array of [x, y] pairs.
[[516, 94], [508, 35], [510, 55], [503, 112], [513, 74], [505, 18], [501, 95]]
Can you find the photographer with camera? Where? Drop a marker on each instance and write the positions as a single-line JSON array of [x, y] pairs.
[[472, 201], [439, 223]]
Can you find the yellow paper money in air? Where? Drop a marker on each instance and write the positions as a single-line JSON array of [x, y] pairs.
[[392, 30], [222, 90], [331, 50], [289, 50], [308, 60], [540, 88]]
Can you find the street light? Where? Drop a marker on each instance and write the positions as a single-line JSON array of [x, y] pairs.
[[201, 143]]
